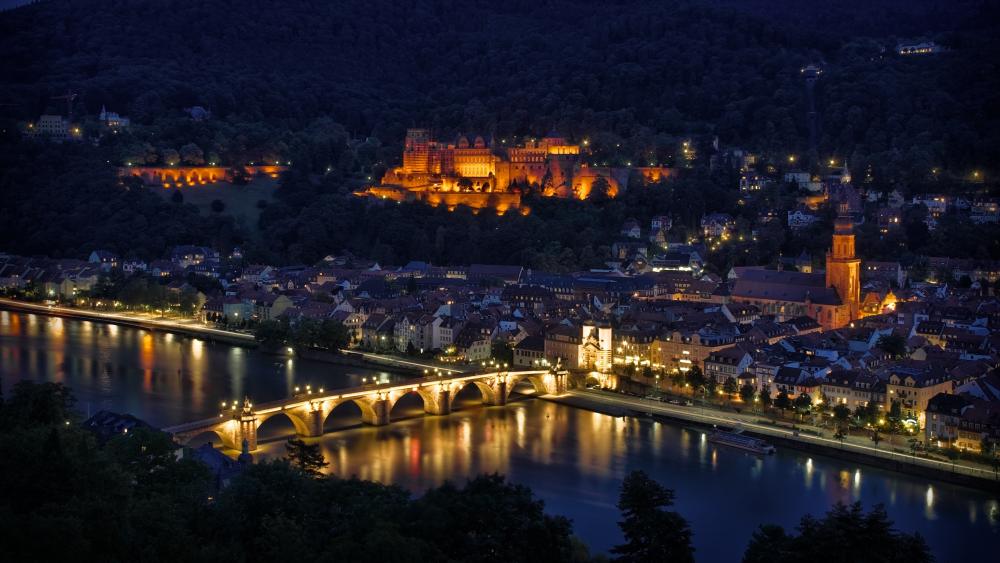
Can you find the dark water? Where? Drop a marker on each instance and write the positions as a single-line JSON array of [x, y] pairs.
[[571, 458], [160, 377]]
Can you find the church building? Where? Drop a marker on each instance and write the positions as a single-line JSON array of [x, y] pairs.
[[832, 298]]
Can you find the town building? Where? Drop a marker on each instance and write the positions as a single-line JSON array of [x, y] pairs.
[[832, 298]]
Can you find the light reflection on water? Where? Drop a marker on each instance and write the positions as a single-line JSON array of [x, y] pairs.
[[160, 377], [575, 461], [571, 458]]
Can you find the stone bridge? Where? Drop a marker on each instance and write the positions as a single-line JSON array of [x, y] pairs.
[[308, 412]]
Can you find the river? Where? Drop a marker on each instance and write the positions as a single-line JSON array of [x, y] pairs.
[[573, 459]]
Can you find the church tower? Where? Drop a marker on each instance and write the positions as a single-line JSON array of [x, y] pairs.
[[843, 268]]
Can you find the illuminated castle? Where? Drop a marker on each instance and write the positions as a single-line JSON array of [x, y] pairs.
[[480, 175]]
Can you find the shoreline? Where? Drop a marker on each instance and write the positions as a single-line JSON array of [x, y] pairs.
[[209, 333], [344, 357], [898, 463]]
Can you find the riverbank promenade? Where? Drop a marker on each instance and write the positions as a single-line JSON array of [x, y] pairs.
[[804, 437]]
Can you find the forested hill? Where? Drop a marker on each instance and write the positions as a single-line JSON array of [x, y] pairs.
[[631, 67], [333, 84]]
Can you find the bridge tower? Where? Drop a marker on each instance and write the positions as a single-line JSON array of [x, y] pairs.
[[246, 428]]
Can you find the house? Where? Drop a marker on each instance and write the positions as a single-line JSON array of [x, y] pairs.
[[112, 120], [912, 384], [105, 259], [415, 331], [134, 266], [489, 273], [473, 342], [562, 343], [850, 388], [530, 352], [986, 210], [631, 229], [889, 272], [269, 305], [727, 363], [51, 127], [751, 183], [716, 225], [188, 255], [227, 309], [443, 335], [923, 48], [528, 297], [378, 332], [798, 177], [890, 220], [936, 204], [677, 261], [661, 223], [801, 218]]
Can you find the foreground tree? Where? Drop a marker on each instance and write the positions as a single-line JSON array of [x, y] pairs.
[[490, 520], [305, 457], [846, 534], [651, 532]]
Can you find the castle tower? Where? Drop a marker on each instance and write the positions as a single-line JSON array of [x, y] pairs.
[[843, 268], [416, 151]]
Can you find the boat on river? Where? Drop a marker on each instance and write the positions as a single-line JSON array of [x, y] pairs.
[[739, 440]]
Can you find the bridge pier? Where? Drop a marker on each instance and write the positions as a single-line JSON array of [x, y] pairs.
[[379, 413], [439, 403], [555, 383], [314, 423], [499, 397]]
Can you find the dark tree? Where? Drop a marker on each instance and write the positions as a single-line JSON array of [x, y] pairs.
[[695, 378], [305, 457], [651, 532], [893, 344], [730, 387], [509, 523], [783, 401], [846, 533]]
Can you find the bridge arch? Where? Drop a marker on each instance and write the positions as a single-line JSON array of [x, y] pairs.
[[217, 436], [364, 405], [428, 400], [536, 380], [300, 424], [487, 393]]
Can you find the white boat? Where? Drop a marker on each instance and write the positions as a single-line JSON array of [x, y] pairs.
[[738, 440]]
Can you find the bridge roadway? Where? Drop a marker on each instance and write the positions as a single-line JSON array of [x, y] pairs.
[[308, 411]]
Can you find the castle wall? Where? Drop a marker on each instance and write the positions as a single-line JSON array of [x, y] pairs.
[[178, 176]]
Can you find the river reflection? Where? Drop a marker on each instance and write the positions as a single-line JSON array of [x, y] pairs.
[[575, 460], [161, 377], [571, 458]]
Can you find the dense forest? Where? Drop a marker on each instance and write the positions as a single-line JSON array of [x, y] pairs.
[[128, 497], [332, 86]]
